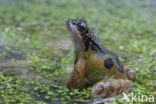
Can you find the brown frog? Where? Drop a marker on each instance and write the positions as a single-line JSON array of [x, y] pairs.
[[95, 65]]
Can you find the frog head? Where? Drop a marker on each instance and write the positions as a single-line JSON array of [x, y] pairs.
[[79, 32]]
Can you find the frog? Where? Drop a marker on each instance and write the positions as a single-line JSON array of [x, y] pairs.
[[95, 65]]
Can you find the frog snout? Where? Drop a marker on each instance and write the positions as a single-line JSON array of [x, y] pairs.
[[71, 22]]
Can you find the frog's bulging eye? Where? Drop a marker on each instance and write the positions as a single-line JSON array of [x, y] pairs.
[[108, 63], [82, 27]]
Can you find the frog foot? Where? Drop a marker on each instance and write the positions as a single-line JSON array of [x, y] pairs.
[[110, 87]]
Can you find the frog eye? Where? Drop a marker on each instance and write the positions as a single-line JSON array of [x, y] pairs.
[[82, 27], [108, 63]]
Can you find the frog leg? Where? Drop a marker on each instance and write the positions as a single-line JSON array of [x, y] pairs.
[[78, 79], [110, 87], [129, 73]]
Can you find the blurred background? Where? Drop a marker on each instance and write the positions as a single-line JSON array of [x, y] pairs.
[[36, 53]]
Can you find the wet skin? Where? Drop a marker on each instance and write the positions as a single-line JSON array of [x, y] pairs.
[[95, 65]]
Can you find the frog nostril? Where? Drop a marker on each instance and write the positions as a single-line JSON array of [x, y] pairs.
[[73, 22]]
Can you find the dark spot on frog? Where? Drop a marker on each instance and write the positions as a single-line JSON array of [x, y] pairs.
[[97, 49], [86, 40], [108, 63], [75, 61]]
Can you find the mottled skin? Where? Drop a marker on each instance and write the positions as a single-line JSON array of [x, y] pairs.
[[96, 65]]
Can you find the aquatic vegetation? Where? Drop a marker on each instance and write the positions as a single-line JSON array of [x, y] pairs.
[[36, 54]]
